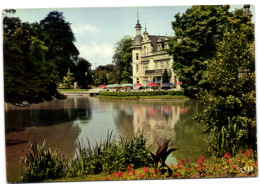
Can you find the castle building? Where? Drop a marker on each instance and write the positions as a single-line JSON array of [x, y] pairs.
[[150, 58]]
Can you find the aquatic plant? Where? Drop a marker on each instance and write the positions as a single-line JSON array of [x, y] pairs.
[[43, 163], [111, 154]]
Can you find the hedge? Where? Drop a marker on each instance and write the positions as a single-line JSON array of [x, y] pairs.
[[140, 93]]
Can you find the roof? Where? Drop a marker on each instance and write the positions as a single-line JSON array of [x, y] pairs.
[[137, 40], [154, 39]]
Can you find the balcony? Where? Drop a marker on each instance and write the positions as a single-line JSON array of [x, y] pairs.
[[157, 72]]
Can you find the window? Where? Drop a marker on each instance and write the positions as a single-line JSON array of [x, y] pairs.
[[137, 67], [137, 56], [137, 80]]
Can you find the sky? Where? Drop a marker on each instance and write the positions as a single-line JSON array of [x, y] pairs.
[[97, 30]]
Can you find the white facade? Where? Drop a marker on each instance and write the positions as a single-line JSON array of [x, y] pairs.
[[150, 58]]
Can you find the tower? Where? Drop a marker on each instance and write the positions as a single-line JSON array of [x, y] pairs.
[[137, 51]]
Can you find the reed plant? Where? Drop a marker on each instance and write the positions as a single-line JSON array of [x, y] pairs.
[[41, 163], [111, 154]]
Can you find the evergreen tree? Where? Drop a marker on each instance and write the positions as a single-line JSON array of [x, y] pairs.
[[165, 77]]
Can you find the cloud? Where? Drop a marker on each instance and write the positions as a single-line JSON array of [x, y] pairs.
[[81, 29], [95, 51]]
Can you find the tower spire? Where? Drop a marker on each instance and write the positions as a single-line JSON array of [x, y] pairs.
[[137, 16], [145, 25]]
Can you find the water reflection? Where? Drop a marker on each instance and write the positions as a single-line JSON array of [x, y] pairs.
[[64, 122], [163, 120]]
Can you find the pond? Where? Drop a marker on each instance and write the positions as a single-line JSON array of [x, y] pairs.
[[62, 122]]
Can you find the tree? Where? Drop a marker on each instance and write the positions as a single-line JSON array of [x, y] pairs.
[[28, 76], [104, 75], [165, 77], [122, 60], [61, 42], [197, 33], [81, 67], [230, 118], [68, 79]]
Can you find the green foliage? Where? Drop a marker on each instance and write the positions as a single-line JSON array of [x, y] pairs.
[[141, 93], [62, 50], [82, 66], [110, 155], [165, 77], [104, 75], [197, 33], [230, 118], [28, 76], [43, 163], [67, 80], [123, 59]]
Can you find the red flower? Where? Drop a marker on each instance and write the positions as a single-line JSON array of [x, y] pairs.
[[250, 152], [176, 174], [179, 165], [172, 165], [241, 152], [227, 161], [128, 167], [227, 155], [146, 169], [214, 152], [114, 174], [188, 160], [119, 174], [200, 161], [133, 172], [202, 157], [182, 161], [107, 178]]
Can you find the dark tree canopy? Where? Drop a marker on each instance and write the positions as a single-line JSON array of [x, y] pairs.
[[81, 67], [61, 41], [28, 76]]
